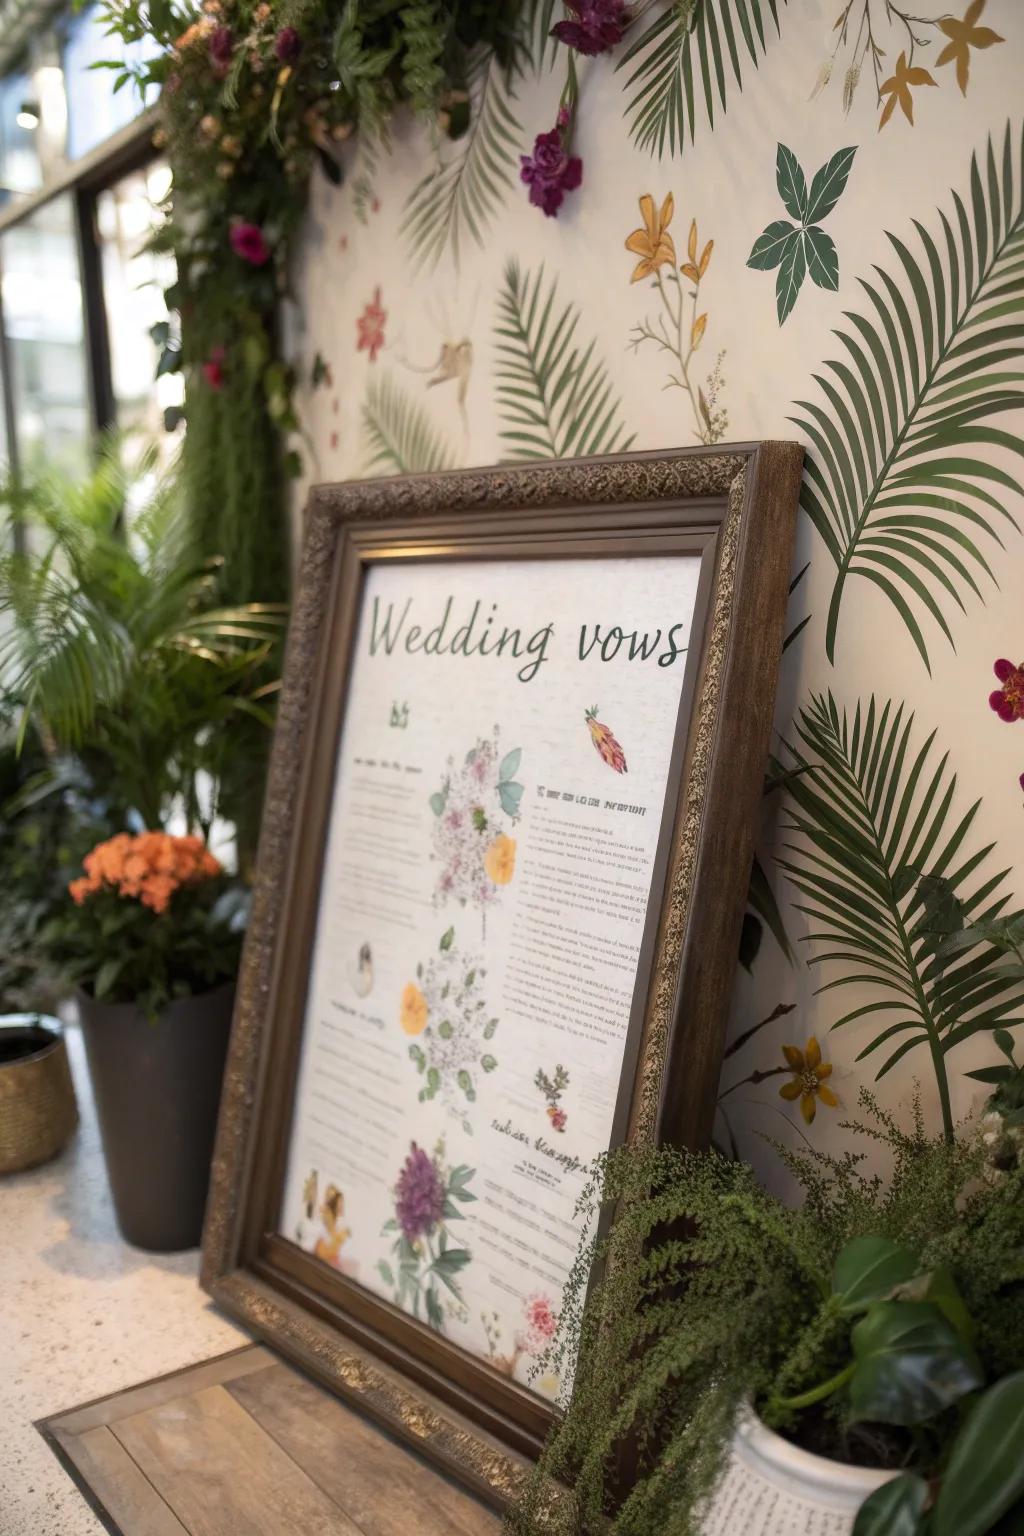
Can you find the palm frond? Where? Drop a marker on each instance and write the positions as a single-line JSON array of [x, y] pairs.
[[400, 437], [871, 811], [554, 392], [687, 57], [901, 486], [462, 194]]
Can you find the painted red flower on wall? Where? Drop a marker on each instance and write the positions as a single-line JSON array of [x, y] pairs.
[[370, 327], [1008, 701]]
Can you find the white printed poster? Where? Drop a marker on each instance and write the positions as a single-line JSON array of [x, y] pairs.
[[497, 808]]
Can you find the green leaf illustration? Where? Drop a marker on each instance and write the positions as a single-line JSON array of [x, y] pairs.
[[867, 803], [400, 437], [554, 394], [902, 481], [462, 195], [683, 60], [438, 801], [510, 763], [488, 1063], [447, 940], [770, 247], [792, 185], [510, 795], [792, 271], [822, 258], [386, 1272], [828, 184]]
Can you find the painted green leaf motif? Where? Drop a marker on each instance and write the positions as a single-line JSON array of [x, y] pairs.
[[399, 435], [683, 61], [509, 764], [828, 184], [792, 271], [909, 471], [868, 802], [770, 246], [447, 939], [554, 393], [822, 258], [462, 195], [792, 185], [510, 796]]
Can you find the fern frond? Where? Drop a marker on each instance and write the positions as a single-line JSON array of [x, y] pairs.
[[554, 392], [902, 482], [689, 55], [400, 437], [464, 191]]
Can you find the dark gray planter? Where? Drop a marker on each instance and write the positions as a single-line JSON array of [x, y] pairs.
[[157, 1085]]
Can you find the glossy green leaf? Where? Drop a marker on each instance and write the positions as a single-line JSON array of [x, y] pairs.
[[910, 1364], [869, 1269], [985, 1475], [895, 1509]]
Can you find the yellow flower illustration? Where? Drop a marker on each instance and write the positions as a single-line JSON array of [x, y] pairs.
[[809, 1074], [413, 1013], [653, 244], [500, 859], [897, 88], [963, 36]]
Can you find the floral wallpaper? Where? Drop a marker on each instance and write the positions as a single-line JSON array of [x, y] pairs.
[[871, 159]]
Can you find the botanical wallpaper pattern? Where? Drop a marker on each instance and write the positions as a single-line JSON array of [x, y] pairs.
[[871, 157]]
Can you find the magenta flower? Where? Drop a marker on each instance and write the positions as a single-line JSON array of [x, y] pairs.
[[222, 45], [558, 1118], [1008, 701], [248, 242], [287, 45], [550, 172], [599, 25], [419, 1194], [213, 368]]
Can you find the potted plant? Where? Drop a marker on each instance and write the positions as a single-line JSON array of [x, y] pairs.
[[151, 932], [854, 1364]]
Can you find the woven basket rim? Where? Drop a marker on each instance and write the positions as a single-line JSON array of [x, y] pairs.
[[26, 1023]]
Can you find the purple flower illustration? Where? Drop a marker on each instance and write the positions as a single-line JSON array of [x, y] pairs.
[[419, 1194], [598, 26], [550, 172]]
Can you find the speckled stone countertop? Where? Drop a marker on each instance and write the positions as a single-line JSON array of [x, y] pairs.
[[81, 1314]]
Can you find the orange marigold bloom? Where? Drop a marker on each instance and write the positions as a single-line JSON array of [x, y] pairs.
[[149, 867]]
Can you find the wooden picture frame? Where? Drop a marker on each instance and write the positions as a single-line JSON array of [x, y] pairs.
[[734, 508]]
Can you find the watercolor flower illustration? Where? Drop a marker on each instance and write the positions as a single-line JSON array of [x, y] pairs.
[[681, 326], [473, 808], [605, 744], [963, 36], [540, 1323], [808, 1081], [414, 1010], [370, 327], [453, 1039], [332, 1211], [427, 1197], [552, 1088], [500, 859], [1008, 699]]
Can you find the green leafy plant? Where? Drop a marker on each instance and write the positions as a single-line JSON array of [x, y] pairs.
[[863, 1324], [553, 392], [113, 647], [895, 487], [691, 52], [802, 249], [870, 810], [400, 437]]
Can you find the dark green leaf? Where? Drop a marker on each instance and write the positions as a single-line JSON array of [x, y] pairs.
[[447, 940], [107, 975], [869, 1269], [985, 1475], [789, 179], [770, 246], [828, 184], [792, 271], [822, 258], [386, 1272], [910, 1364], [895, 1509]]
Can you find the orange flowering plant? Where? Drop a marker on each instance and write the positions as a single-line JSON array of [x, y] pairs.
[[153, 917]]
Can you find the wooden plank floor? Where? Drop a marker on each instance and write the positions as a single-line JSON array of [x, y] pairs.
[[246, 1446]]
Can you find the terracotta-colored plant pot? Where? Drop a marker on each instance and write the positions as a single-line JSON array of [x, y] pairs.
[[157, 1085]]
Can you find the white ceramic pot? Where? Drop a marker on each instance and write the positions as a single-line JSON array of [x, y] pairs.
[[773, 1488]]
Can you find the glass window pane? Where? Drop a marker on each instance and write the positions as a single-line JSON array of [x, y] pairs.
[[20, 171], [42, 310], [94, 111], [134, 280]]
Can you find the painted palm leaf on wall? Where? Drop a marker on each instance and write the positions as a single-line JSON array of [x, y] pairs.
[[400, 437], [458, 198], [554, 393], [872, 813], [902, 484], [692, 53]]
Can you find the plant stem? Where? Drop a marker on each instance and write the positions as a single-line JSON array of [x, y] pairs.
[[816, 1394]]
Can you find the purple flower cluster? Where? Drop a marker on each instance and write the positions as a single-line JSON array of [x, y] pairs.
[[550, 172], [599, 25], [287, 45], [222, 45], [419, 1194]]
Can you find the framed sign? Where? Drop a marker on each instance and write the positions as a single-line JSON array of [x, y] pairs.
[[505, 857]]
